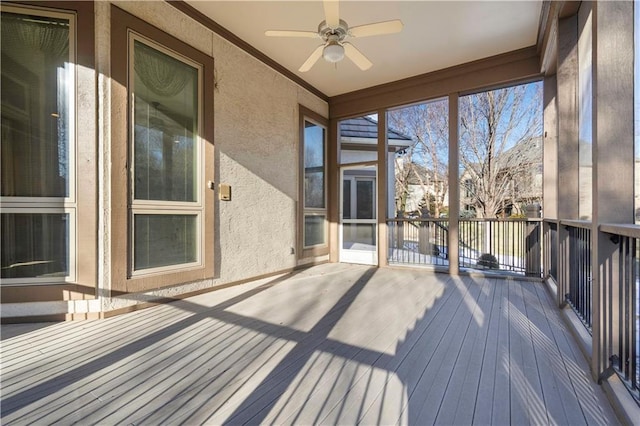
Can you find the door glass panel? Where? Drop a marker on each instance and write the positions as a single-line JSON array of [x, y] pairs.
[[37, 78], [346, 199], [35, 245], [365, 199], [166, 127], [359, 236], [164, 240]]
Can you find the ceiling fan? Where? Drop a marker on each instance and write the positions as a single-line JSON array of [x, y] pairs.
[[333, 31]]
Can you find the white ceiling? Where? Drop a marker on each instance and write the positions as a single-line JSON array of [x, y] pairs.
[[436, 35]]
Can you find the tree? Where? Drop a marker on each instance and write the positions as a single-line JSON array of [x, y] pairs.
[[425, 163], [403, 170], [499, 129], [500, 146]]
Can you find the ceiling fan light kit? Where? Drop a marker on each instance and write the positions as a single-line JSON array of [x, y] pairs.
[[333, 32], [333, 52]]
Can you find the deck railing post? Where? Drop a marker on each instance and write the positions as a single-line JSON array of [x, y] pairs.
[[532, 249], [564, 264], [423, 238]]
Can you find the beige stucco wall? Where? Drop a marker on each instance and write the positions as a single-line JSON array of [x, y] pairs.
[[256, 144]]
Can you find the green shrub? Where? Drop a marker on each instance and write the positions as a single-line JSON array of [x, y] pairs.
[[488, 261]]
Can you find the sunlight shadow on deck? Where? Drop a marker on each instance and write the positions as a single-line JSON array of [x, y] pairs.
[[378, 346]]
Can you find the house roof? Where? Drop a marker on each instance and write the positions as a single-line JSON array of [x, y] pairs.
[[367, 128], [525, 152], [421, 175]]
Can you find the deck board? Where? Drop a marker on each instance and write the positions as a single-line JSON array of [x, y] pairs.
[[459, 398], [333, 344]]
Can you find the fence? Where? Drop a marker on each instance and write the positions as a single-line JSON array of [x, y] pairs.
[[550, 248], [624, 293], [580, 279], [418, 241], [511, 245], [501, 245]]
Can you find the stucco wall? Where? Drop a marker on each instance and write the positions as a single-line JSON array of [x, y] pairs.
[[256, 148]]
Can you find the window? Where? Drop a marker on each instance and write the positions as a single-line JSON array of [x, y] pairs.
[[166, 191], [313, 184], [163, 205], [38, 189], [500, 144], [468, 188]]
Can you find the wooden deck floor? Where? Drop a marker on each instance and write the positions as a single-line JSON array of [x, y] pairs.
[[333, 344]]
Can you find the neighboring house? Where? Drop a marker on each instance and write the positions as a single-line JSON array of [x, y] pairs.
[[424, 189], [358, 144], [517, 183]]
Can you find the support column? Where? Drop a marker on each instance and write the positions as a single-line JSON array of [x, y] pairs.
[[566, 185], [454, 186], [550, 182], [550, 148], [613, 154], [333, 190], [382, 188]]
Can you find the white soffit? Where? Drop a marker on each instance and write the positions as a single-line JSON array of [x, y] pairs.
[[436, 35]]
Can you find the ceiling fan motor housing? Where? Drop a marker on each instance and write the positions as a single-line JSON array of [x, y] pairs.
[[329, 34]]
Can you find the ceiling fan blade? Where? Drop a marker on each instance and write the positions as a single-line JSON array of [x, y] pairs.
[[379, 28], [356, 56], [332, 13], [312, 59], [286, 33]]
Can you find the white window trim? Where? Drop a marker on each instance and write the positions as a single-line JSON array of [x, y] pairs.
[[49, 205], [160, 207]]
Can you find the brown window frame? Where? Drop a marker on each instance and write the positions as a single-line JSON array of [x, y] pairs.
[[83, 287], [306, 114], [123, 25]]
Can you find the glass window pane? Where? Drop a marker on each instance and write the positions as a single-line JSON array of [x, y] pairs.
[[346, 199], [37, 77], [500, 151], [365, 201], [314, 137], [35, 245], [359, 236], [358, 139], [166, 126], [418, 180], [164, 240], [314, 230]]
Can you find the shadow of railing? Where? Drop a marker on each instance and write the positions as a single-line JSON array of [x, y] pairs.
[[243, 369]]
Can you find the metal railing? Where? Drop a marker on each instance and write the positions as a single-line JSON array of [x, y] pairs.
[[550, 249], [580, 278], [504, 245], [625, 304], [500, 245], [418, 241]]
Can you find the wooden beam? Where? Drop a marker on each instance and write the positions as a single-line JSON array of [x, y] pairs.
[[501, 70]]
